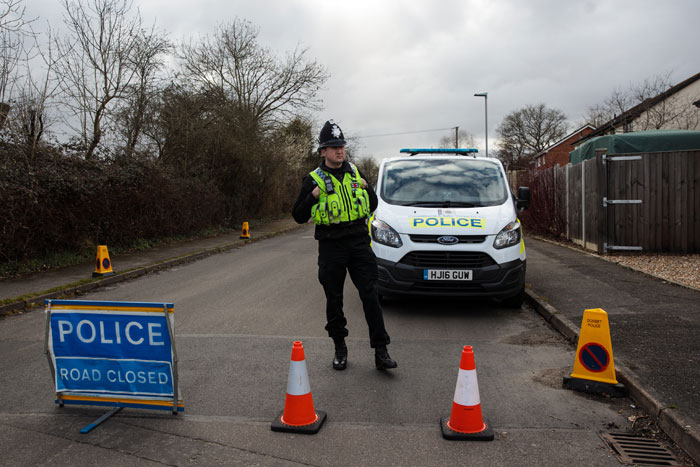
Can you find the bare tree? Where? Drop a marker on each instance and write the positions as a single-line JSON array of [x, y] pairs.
[[369, 168], [155, 123], [527, 131], [232, 63], [14, 28], [296, 144], [97, 57], [463, 139], [596, 115], [29, 116], [147, 63], [12, 16], [674, 111], [620, 100]]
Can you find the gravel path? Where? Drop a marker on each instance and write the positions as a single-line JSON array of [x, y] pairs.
[[680, 269]]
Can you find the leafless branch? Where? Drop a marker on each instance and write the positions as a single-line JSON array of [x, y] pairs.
[[529, 130], [97, 55], [233, 65]]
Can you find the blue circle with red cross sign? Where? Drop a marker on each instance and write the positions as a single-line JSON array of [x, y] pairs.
[[594, 357], [105, 263]]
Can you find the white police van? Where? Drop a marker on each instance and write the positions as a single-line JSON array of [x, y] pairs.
[[447, 225]]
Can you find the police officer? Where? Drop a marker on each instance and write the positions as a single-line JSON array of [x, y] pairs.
[[340, 201]]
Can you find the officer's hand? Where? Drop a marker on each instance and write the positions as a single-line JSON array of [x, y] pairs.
[[316, 192], [364, 183]]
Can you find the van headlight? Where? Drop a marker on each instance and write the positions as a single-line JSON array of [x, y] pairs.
[[384, 234], [508, 236]]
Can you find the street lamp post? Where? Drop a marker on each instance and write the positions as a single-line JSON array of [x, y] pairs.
[[485, 95]]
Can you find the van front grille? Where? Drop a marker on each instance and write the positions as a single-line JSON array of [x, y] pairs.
[[448, 259], [447, 287], [461, 238]]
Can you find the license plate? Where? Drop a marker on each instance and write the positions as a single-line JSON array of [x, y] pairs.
[[447, 274]]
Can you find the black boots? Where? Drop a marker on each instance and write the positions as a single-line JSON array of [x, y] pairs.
[[383, 360], [340, 360], [381, 357]]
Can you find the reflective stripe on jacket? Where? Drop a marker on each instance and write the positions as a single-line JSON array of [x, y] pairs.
[[339, 202]]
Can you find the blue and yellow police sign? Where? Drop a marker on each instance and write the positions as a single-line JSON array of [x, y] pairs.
[[119, 354]]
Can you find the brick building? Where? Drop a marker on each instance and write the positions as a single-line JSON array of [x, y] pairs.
[[558, 153]]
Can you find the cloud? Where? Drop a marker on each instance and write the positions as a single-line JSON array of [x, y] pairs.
[[399, 66]]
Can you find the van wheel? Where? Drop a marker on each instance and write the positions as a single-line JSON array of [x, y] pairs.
[[516, 301], [383, 299]]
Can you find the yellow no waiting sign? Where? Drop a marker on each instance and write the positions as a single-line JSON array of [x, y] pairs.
[[594, 365]]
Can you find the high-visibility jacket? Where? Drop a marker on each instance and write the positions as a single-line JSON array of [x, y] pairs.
[[338, 202]]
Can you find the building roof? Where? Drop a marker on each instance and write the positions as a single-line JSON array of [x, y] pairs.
[[638, 109], [552, 146]]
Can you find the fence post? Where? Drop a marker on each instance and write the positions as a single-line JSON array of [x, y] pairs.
[[583, 204], [602, 189], [554, 191], [566, 188]]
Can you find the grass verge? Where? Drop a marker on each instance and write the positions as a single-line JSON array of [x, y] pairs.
[[63, 259]]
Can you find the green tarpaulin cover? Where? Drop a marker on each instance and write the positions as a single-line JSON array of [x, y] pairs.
[[638, 141]]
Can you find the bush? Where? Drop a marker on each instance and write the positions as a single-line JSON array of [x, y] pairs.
[[65, 203], [544, 216]]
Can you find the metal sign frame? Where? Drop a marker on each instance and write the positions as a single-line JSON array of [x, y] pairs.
[[108, 396]]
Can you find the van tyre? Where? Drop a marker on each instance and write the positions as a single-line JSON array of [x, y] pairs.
[[516, 301], [383, 299]]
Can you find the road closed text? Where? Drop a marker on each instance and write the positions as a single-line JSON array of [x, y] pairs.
[[113, 376], [138, 377]]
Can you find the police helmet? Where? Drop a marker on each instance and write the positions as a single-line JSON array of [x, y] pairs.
[[331, 135]]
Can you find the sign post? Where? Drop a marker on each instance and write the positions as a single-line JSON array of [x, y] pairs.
[[115, 354]]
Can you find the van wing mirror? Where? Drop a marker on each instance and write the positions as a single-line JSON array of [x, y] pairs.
[[523, 201]]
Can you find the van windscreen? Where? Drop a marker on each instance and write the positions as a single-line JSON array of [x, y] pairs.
[[443, 182]]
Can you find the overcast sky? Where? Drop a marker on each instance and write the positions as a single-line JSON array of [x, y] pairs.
[[414, 65]]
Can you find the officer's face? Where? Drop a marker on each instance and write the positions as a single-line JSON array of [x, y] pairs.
[[334, 156]]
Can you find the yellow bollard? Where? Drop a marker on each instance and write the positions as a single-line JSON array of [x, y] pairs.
[[245, 231], [103, 266], [594, 365]]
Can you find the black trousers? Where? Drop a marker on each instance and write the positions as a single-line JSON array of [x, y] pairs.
[[354, 255]]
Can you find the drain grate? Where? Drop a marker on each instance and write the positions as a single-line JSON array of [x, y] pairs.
[[633, 449]]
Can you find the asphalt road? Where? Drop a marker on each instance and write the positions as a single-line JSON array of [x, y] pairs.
[[237, 314]]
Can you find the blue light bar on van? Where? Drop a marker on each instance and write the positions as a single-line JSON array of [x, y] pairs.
[[440, 151]]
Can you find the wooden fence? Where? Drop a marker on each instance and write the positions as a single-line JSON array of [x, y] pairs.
[[646, 202]]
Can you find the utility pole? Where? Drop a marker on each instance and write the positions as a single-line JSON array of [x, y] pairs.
[[485, 95], [456, 137]]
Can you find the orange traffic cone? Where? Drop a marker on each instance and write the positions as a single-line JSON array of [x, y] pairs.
[[245, 231], [103, 266], [298, 415], [466, 421]]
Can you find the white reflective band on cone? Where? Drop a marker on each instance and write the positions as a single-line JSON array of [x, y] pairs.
[[467, 390], [298, 382]]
